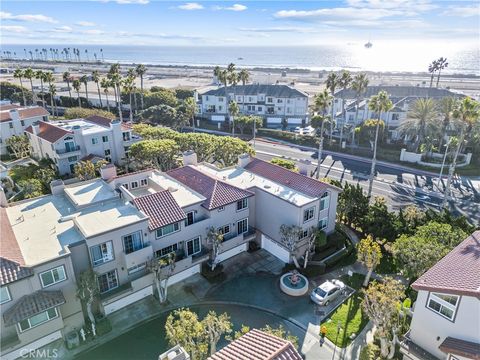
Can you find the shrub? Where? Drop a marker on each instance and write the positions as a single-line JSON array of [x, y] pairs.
[[287, 164], [370, 352], [77, 112]]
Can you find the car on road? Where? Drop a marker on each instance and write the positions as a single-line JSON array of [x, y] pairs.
[[422, 197], [327, 292]]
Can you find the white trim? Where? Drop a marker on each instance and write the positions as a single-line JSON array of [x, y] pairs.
[[246, 230], [43, 322], [8, 295], [443, 304], [176, 223], [54, 282], [18, 353]]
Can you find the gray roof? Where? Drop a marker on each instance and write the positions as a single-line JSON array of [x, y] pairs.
[[399, 92], [279, 91]]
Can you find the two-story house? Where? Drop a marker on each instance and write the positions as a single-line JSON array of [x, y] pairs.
[[276, 104], [14, 119], [446, 316], [66, 142]]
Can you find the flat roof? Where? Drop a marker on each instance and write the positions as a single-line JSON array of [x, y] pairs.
[[90, 192], [183, 195], [86, 127], [244, 179]]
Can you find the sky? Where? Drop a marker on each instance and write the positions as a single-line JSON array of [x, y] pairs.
[[237, 23]]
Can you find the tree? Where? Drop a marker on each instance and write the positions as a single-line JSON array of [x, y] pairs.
[[247, 121], [190, 108], [359, 85], [85, 170], [446, 107], [141, 70], [380, 303], [441, 64], [106, 84], [30, 74], [19, 145], [88, 291], [84, 80], [311, 243], [164, 115], [31, 188], [432, 68], [129, 88], [378, 103], [183, 328], [281, 333], [344, 83], [379, 221], [116, 81], [96, 79], [78, 112], [244, 76], [228, 149], [332, 82], [18, 74], [202, 144], [233, 110], [40, 75], [290, 236], [161, 154], [287, 164], [352, 204], [162, 268], [369, 254], [322, 102], [409, 219], [76, 86], [66, 78], [50, 79], [215, 327], [161, 97], [215, 238]]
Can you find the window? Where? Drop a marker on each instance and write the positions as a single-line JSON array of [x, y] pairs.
[[308, 214], [206, 98], [126, 136], [220, 99], [193, 246], [350, 117], [166, 250], [107, 152], [269, 99], [10, 125], [395, 117], [144, 182], [22, 122], [72, 158], [323, 223], [225, 229], [221, 208], [4, 295], [133, 242], [445, 305], [105, 138], [53, 276], [250, 99], [102, 253], [134, 184], [220, 108], [125, 185], [242, 226], [108, 281], [190, 218], [168, 229], [242, 204], [279, 101], [136, 268], [304, 234], [279, 108], [94, 141], [38, 319], [259, 109], [324, 201]]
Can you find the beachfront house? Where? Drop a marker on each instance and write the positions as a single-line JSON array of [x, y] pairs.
[[445, 323], [281, 106], [66, 142], [14, 119]]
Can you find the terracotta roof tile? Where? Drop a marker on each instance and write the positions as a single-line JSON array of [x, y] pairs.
[[49, 132], [161, 208], [24, 113], [458, 272], [217, 193], [257, 345], [99, 120], [461, 347], [291, 179], [9, 107]]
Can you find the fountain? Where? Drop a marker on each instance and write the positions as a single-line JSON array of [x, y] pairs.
[[294, 284]]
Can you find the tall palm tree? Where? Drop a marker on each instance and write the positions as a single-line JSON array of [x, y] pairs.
[[421, 121], [345, 82], [441, 64], [234, 110], [332, 83], [96, 79], [216, 72], [30, 74], [129, 87], [84, 80], [18, 74], [432, 68], [53, 91], [446, 107], [76, 85], [40, 75], [244, 76], [131, 73], [322, 102], [190, 109], [116, 81], [467, 115], [105, 84], [359, 85], [141, 70], [378, 103], [66, 78]]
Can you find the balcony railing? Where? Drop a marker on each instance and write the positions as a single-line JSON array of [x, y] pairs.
[[67, 151], [142, 246]]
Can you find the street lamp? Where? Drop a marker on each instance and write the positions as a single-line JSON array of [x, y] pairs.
[[339, 327]]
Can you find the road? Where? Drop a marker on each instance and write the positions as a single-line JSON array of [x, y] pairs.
[[400, 187]]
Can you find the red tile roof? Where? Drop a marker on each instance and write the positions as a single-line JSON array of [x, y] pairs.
[[99, 120], [293, 180], [161, 208], [257, 345], [9, 107], [217, 193], [457, 273], [49, 132], [461, 347], [24, 113]]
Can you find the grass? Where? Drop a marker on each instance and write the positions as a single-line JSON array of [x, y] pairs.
[[349, 315]]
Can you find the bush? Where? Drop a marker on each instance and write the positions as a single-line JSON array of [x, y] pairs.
[[183, 94], [13, 92], [77, 112], [370, 352], [287, 164], [215, 275]]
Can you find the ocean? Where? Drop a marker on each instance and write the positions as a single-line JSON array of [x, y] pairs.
[[383, 56]]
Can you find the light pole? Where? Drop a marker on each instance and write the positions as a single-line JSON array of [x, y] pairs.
[[339, 327], [254, 131], [443, 164]]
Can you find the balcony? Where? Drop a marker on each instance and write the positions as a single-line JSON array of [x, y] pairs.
[[67, 151], [233, 239], [139, 256]]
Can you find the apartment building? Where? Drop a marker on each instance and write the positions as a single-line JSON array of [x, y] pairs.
[[14, 119], [68, 141], [277, 104], [446, 316]]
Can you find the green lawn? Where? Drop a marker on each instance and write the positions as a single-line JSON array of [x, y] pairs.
[[349, 314]]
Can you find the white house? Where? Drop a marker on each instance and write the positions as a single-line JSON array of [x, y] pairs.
[[446, 316]]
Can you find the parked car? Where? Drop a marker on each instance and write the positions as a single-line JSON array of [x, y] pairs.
[[327, 292]]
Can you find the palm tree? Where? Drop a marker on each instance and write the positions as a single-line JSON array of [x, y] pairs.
[[96, 79], [66, 78], [129, 87], [244, 76], [332, 83], [76, 85], [432, 68], [441, 64], [378, 103], [30, 74], [53, 91], [190, 109], [40, 75], [84, 80], [359, 85], [421, 121], [105, 84], [131, 73], [345, 81], [467, 114], [216, 72], [116, 80], [141, 70], [322, 102], [234, 110], [446, 107], [18, 74]]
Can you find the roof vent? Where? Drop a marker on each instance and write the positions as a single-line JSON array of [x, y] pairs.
[[67, 218], [266, 186], [172, 189]]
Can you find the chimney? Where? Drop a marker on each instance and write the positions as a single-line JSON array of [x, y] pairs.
[[303, 166], [3, 198], [14, 115], [35, 129], [189, 158], [57, 187], [243, 160], [108, 172]]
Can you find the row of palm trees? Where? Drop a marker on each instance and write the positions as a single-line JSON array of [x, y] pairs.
[[437, 65], [55, 54]]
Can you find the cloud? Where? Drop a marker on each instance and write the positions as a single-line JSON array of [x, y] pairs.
[[92, 32], [158, 36], [27, 17], [62, 29], [347, 13], [234, 7], [13, 28], [465, 11], [191, 6], [140, 2], [85, 23], [277, 29], [410, 6]]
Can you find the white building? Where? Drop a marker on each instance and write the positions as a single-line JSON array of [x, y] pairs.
[[14, 119], [68, 141], [279, 105], [446, 317]]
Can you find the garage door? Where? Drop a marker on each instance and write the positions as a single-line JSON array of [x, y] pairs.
[[218, 118], [25, 351], [274, 120], [127, 300], [292, 121], [276, 250], [232, 252]]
